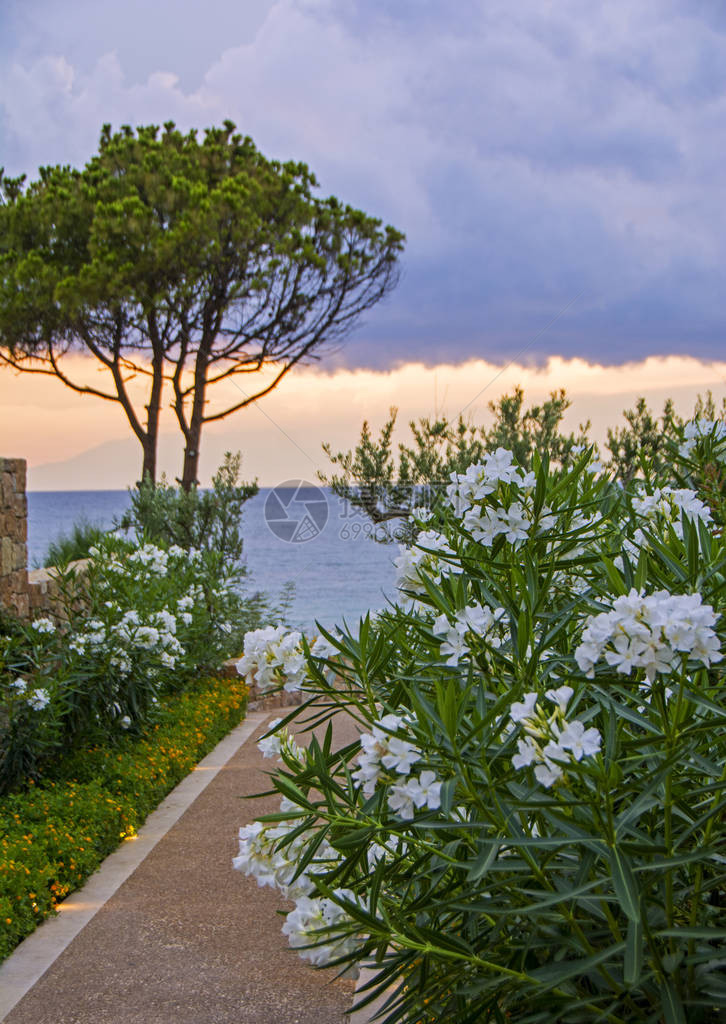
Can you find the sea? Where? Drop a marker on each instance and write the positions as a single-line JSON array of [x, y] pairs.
[[297, 534]]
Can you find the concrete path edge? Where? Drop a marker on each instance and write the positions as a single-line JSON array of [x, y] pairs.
[[35, 954]]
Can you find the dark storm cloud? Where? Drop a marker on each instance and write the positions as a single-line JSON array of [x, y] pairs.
[[532, 153]]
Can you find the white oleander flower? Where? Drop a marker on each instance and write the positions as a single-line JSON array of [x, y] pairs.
[[561, 696], [380, 749], [581, 742], [306, 925], [405, 796], [400, 755], [527, 752], [500, 466], [322, 648], [522, 710], [565, 741], [39, 700], [454, 646], [43, 626], [269, 746], [547, 773], [648, 631], [515, 525]]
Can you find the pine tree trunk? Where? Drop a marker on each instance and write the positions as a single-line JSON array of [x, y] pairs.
[[193, 438], [148, 471], [153, 409], [191, 460], [193, 433]]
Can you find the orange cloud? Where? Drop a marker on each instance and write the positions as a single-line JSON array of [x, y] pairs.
[[280, 437]]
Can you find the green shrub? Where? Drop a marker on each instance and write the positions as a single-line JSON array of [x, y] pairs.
[[54, 835], [531, 827], [150, 620], [197, 519], [73, 546]]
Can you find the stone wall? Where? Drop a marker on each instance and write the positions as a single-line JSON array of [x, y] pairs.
[[24, 593], [14, 594]]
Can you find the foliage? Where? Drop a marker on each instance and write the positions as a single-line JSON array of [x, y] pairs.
[[54, 835], [149, 621], [73, 546], [531, 825], [644, 438], [204, 520], [387, 487], [182, 264]]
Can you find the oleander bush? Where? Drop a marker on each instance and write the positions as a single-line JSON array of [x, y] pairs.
[[532, 824], [56, 833], [74, 545], [200, 519], [139, 622]]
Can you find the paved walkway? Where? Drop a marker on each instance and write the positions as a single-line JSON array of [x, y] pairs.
[[185, 939]]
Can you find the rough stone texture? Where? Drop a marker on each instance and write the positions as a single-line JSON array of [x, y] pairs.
[[14, 593], [47, 598], [21, 592], [188, 940]]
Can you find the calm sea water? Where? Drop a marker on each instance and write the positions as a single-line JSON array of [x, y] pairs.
[[306, 536]]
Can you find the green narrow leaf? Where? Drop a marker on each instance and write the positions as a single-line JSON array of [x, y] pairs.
[[483, 862], [616, 580], [540, 488], [626, 888], [523, 633], [673, 1012], [554, 974], [633, 954], [693, 549], [447, 794]]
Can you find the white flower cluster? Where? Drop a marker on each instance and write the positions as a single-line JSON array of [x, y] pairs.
[[304, 924], [486, 516], [697, 430], [129, 637], [270, 863], [480, 480], [429, 555], [666, 505], [382, 754], [670, 503], [184, 606], [154, 560], [43, 625], [468, 493], [485, 525], [264, 854], [468, 490], [472, 620], [271, 656], [551, 742], [275, 740], [37, 699], [650, 632]]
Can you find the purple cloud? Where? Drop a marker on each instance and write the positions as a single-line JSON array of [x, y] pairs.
[[531, 155]]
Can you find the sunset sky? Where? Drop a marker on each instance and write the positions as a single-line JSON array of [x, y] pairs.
[[557, 170]]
